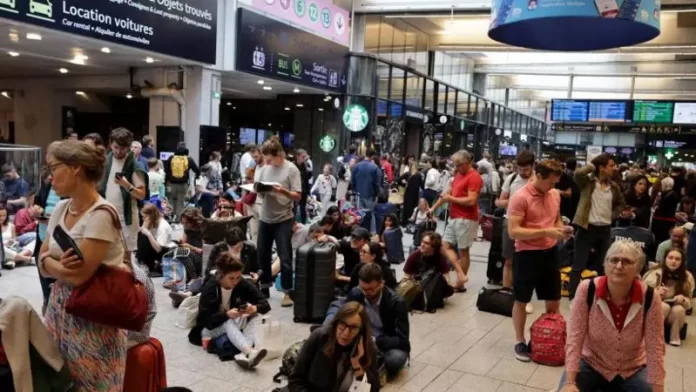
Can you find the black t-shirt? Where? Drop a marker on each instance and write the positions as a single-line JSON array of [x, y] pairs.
[[351, 258], [679, 183], [568, 204]]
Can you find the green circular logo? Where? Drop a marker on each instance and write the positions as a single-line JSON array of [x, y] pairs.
[[300, 8], [327, 143], [296, 67], [355, 117], [326, 18], [313, 12]]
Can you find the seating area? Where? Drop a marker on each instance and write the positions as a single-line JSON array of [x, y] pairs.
[[456, 349]]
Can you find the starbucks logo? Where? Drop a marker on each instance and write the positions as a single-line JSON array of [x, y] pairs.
[[355, 118]]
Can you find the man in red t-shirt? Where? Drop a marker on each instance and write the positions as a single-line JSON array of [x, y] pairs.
[[462, 197]]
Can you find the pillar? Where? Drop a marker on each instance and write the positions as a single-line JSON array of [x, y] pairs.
[[38, 113], [202, 92]]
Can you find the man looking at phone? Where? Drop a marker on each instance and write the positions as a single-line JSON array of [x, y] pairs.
[[124, 183], [388, 316], [534, 222]]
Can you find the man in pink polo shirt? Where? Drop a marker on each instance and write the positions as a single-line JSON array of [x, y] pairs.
[[534, 222]]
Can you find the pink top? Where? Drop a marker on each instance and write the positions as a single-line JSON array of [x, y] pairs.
[[539, 211], [609, 351]]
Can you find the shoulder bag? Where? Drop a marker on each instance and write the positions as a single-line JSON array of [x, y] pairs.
[[112, 296]]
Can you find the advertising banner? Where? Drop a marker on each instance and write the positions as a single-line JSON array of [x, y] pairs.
[[319, 16], [274, 49], [574, 25], [178, 28]]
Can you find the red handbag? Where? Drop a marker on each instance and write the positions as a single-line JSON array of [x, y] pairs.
[[249, 199], [112, 296]]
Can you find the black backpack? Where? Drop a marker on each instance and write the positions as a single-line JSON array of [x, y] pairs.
[[646, 304], [288, 361], [433, 286]]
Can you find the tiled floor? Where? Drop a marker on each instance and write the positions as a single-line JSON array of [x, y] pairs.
[[456, 349]]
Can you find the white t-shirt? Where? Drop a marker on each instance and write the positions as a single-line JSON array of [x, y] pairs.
[[163, 233], [600, 210], [245, 162], [97, 225], [432, 179], [225, 302], [113, 196], [513, 187], [276, 207]]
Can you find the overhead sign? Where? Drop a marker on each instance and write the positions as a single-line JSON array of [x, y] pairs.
[[274, 49], [178, 28], [653, 111], [321, 17], [355, 117], [327, 143], [568, 110], [684, 113]]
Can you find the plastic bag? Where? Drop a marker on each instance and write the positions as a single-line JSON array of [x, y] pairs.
[[360, 386], [174, 273], [272, 338], [187, 312]]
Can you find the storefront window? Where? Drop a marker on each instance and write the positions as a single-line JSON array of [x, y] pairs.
[[414, 90], [383, 76], [429, 95], [473, 107], [441, 98], [397, 85], [399, 43], [481, 111], [462, 105], [451, 100]]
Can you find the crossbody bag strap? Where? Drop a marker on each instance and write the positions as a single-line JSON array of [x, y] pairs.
[[117, 224]]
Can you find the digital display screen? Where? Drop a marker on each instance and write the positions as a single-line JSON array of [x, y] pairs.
[[508, 150], [247, 136], [261, 137], [288, 139], [569, 110], [165, 155], [684, 113], [607, 111], [652, 111]]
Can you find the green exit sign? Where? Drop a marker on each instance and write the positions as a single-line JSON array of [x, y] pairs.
[[217, 95]]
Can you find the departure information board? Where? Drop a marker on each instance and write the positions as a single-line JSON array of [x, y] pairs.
[[652, 111], [607, 111], [685, 112], [569, 110]]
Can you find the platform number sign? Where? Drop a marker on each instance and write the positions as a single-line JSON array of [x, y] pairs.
[[300, 7], [313, 12], [355, 118], [326, 18]]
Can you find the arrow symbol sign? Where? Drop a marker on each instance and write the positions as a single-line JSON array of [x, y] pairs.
[[339, 23], [263, 32], [343, 80]]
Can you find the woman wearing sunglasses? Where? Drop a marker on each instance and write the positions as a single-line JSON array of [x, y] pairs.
[[616, 339], [337, 355]]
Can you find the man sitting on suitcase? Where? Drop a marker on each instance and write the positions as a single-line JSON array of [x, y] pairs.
[[388, 317], [534, 222]]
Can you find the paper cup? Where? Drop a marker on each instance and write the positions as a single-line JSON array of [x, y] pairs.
[[205, 342]]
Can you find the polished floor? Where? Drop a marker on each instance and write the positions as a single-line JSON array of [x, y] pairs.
[[456, 349]]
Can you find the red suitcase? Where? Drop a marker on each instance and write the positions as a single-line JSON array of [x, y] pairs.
[[145, 368]]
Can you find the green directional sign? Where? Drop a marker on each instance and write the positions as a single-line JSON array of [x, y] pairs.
[[355, 117]]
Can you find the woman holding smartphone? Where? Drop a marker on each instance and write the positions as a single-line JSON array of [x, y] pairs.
[[95, 354], [337, 355]]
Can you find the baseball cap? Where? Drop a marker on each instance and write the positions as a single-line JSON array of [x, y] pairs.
[[360, 233]]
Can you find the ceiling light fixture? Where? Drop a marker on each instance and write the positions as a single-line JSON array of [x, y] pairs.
[[296, 90], [229, 103], [106, 50], [5, 94], [299, 105], [63, 70], [234, 108], [81, 93], [14, 37], [34, 36], [79, 59], [287, 108], [149, 60], [267, 88], [260, 81], [129, 96], [321, 109], [13, 54]]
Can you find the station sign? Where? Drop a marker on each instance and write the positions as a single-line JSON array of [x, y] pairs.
[[185, 29], [276, 50]]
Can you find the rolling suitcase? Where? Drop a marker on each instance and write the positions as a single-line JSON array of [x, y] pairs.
[[496, 262], [395, 246], [145, 368], [381, 211], [315, 272]]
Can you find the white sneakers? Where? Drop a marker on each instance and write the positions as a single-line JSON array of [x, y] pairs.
[[675, 343], [529, 308], [250, 361]]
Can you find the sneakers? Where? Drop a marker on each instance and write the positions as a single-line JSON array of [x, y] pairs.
[[675, 343], [252, 360], [529, 308], [287, 301], [9, 265], [522, 352]]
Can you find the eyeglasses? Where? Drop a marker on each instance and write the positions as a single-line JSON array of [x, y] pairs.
[[54, 166], [353, 329], [614, 261], [364, 252]]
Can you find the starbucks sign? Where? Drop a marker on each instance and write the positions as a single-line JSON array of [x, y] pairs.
[[355, 117], [327, 143]]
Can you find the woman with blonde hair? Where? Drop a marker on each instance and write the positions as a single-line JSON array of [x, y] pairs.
[[154, 238], [616, 329], [95, 354]]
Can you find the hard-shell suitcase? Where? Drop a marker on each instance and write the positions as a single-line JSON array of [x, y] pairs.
[[314, 281], [495, 253], [395, 245], [381, 212], [145, 368]]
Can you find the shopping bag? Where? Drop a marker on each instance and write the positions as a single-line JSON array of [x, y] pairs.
[[173, 272], [272, 338], [360, 386], [187, 312]]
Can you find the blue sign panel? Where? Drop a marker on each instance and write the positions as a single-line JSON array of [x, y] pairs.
[[186, 29], [569, 110], [574, 25], [270, 48], [607, 111]]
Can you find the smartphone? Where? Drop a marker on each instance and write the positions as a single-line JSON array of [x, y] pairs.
[[607, 8], [243, 307], [629, 9], [65, 241], [119, 175]]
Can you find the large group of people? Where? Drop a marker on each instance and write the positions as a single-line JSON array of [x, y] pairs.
[[127, 210]]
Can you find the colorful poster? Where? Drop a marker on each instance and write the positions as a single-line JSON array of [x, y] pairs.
[[319, 16]]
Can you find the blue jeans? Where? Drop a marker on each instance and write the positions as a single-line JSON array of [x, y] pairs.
[[26, 238], [589, 380], [281, 234], [394, 361], [369, 204]]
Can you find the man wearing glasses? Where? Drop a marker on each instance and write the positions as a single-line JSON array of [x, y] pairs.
[[534, 222], [388, 317]]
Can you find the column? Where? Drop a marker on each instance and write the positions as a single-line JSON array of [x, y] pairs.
[[38, 113], [202, 92]]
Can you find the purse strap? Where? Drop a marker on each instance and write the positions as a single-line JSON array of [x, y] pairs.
[[117, 224]]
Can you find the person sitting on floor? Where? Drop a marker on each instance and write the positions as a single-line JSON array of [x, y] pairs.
[[14, 253], [371, 253], [676, 240], [391, 239], [230, 305], [26, 223], [388, 317], [338, 230], [226, 207], [337, 354], [675, 285], [350, 250], [236, 245], [429, 257], [154, 239]]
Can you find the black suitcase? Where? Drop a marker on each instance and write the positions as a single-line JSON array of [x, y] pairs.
[[495, 301], [495, 254], [315, 272]]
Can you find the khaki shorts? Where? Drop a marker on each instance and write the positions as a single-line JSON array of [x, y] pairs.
[[461, 232]]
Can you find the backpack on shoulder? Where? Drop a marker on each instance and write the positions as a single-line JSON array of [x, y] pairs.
[[179, 166], [548, 340]]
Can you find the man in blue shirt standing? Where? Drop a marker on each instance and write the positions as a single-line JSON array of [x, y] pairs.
[[16, 188], [366, 178]]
